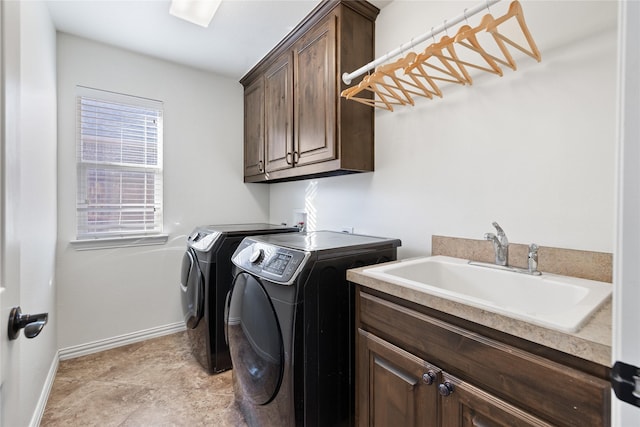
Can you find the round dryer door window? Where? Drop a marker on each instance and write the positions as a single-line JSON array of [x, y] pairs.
[[191, 290], [255, 340]]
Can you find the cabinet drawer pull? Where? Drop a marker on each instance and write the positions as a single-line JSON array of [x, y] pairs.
[[296, 157], [445, 389], [288, 157], [429, 377], [260, 166]]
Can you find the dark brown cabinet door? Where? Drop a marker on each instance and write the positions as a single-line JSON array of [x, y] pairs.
[[254, 129], [315, 94], [279, 114], [395, 388], [469, 406]]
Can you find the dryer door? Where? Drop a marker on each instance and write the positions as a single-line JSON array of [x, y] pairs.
[[255, 340], [191, 289]]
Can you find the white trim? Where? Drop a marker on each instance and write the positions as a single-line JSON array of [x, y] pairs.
[[109, 343], [107, 95], [46, 391], [119, 242], [94, 347]]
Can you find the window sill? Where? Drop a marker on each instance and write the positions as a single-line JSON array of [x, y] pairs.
[[119, 242]]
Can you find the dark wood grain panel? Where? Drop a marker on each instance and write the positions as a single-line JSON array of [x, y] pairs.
[[254, 129], [391, 389], [470, 406], [279, 114], [549, 390], [324, 134]]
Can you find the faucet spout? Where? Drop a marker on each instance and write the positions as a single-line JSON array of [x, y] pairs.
[[500, 244]]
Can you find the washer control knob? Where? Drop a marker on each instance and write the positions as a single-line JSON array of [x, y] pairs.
[[256, 256]]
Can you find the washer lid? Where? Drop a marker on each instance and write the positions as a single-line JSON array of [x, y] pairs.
[[322, 241], [255, 340], [203, 238], [191, 290]]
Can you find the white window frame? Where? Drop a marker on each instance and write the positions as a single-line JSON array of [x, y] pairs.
[[89, 235]]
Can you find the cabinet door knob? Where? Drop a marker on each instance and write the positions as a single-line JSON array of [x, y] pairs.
[[445, 389], [429, 377]]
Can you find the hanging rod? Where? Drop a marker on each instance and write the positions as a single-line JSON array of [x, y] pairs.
[[348, 77]]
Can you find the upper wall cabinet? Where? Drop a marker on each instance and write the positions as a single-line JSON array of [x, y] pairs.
[[296, 124]]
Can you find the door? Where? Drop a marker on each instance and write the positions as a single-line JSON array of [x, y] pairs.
[[464, 405], [394, 387], [255, 340], [278, 99], [191, 289], [254, 129], [626, 293], [315, 92], [9, 179]]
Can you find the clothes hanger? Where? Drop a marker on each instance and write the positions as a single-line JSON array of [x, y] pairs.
[[488, 19], [446, 74], [371, 84], [420, 75], [515, 10], [466, 37], [471, 43], [406, 87], [447, 43]]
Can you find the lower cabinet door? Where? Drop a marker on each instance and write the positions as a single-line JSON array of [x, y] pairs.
[[464, 405], [395, 388]]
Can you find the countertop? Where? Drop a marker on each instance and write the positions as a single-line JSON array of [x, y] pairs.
[[592, 342]]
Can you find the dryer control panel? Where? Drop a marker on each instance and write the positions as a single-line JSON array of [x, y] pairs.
[[202, 241], [275, 263]]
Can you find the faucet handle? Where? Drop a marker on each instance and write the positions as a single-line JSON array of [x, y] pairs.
[[498, 228], [533, 259], [502, 237]]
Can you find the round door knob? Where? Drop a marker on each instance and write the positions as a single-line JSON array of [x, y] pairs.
[[429, 377], [256, 256], [445, 389]]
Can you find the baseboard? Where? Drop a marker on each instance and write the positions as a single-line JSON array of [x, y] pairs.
[[46, 390], [94, 347], [119, 341]]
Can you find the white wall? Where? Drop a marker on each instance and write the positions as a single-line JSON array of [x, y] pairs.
[[533, 150], [37, 198], [108, 293]]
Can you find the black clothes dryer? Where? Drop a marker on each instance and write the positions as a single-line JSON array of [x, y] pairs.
[[205, 280], [290, 325]]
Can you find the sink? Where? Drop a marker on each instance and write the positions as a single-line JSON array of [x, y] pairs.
[[558, 302]]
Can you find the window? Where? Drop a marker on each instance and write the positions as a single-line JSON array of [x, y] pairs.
[[119, 162]]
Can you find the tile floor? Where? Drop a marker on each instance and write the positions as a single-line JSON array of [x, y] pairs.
[[151, 383]]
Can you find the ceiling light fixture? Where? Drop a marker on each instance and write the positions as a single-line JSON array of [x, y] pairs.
[[199, 12]]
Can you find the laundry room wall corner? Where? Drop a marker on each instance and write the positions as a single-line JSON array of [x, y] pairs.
[[115, 292]]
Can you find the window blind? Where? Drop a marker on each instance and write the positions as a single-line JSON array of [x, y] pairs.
[[119, 162]]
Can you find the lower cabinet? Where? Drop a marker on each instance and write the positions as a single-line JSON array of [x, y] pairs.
[[398, 388], [395, 387], [413, 369]]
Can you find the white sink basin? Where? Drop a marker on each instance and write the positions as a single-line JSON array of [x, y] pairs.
[[558, 302]]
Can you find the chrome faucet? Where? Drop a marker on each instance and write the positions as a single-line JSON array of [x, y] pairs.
[[533, 259], [500, 245]]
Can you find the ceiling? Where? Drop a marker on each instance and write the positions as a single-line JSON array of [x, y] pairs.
[[241, 33], [244, 31]]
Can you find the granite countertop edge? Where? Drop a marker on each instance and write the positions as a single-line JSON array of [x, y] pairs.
[[592, 342]]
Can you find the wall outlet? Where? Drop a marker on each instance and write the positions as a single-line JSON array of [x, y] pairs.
[[347, 229], [300, 219]]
